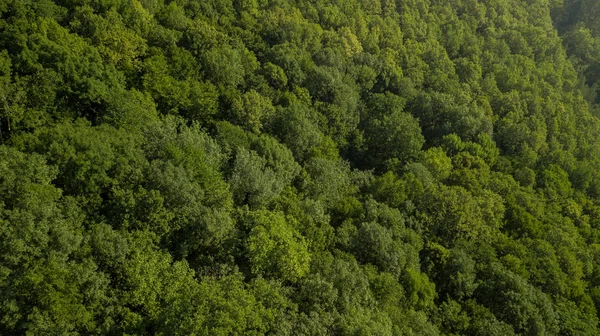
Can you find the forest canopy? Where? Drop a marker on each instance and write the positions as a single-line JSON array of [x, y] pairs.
[[299, 167]]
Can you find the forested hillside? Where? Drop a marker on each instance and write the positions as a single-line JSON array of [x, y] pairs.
[[299, 167]]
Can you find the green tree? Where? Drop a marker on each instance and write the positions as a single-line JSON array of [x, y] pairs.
[[275, 248]]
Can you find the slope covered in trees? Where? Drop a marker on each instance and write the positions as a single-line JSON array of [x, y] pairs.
[[299, 167]]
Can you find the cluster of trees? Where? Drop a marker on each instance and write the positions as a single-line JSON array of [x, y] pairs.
[[299, 167], [577, 25]]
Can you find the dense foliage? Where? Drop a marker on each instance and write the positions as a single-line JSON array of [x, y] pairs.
[[299, 167]]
